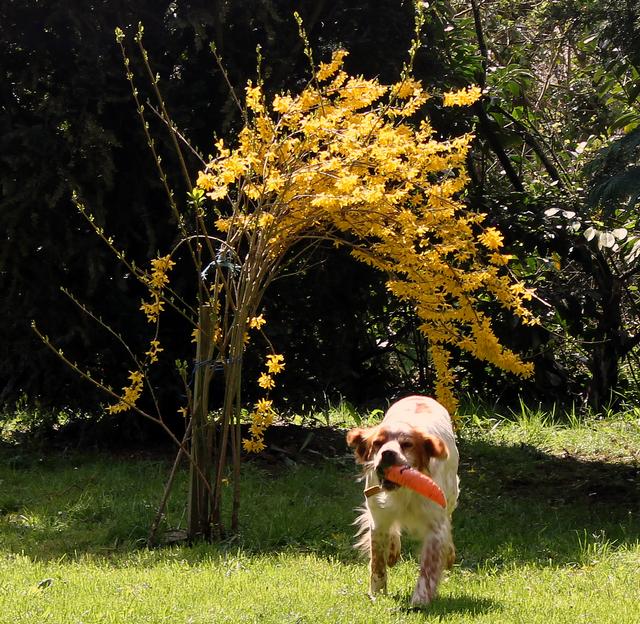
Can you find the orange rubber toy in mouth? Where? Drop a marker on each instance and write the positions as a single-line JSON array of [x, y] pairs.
[[416, 481]]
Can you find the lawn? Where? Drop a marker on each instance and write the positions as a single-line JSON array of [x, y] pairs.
[[547, 531]]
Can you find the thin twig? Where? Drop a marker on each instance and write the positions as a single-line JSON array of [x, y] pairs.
[[151, 539]]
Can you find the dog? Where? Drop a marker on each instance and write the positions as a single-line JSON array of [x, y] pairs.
[[416, 431]]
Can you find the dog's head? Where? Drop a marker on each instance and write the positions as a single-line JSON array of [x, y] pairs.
[[401, 445]]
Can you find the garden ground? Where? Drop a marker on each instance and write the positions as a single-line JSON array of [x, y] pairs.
[[547, 530]]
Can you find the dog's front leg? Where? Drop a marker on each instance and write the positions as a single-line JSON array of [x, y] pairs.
[[378, 561], [394, 548], [435, 552]]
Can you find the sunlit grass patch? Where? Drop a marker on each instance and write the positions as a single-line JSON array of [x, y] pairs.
[[175, 586], [547, 531]]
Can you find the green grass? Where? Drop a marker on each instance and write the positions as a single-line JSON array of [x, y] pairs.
[[547, 531]]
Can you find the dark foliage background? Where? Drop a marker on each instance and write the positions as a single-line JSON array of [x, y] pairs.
[[67, 122]]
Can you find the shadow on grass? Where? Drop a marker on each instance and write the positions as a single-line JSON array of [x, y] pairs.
[[518, 505], [444, 606]]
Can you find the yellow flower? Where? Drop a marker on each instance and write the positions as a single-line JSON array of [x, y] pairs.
[[275, 363], [153, 309], [347, 183], [256, 322], [491, 239], [217, 335], [253, 445], [154, 350], [407, 88], [232, 168], [266, 381], [222, 150], [264, 405], [254, 98], [265, 219], [223, 224], [463, 97], [227, 177], [500, 259], [206, 181], [309, 98], [282, 103], [159, 268], [136, 377], [218, 192], [162, 264], [130, 394], [327, 70]]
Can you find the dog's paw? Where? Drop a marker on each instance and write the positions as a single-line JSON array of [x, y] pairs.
[[419, 601]]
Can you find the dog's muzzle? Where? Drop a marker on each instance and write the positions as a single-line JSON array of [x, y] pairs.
[[388, 458]]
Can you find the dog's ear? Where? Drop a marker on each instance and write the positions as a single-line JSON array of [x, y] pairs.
[[433, 446], [357, 440], [429, 446]]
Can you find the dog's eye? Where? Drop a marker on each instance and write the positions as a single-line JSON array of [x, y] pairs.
[[376, 445], [406, 445]]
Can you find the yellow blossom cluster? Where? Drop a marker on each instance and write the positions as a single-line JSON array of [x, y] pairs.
[[153, 308], [266, 381], [491, 239], [130, 393], [154, 349], [349, 159], [159, 269], [261, 418], [275, 365], [256, 322], [462, 97], [327, 70], [156, 281], [262, 415]]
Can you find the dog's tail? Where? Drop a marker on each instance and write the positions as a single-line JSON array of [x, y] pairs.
[[363, 534]]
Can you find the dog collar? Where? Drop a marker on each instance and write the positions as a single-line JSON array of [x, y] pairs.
[[372, 485]]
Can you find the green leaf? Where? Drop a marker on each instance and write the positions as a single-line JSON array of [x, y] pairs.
[[624, 120], [606, 239], [590, 233]]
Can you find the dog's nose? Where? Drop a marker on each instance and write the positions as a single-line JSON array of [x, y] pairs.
[[389, 458]]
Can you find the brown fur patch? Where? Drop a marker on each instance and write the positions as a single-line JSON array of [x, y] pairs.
[[428, 446], [357, 440]]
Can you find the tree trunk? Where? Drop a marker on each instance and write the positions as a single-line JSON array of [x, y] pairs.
[[608, 348], [199, 499], [604, 375], [229, 434]]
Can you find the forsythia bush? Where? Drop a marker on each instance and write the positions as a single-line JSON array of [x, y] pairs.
[[347, 160], [352, 160]]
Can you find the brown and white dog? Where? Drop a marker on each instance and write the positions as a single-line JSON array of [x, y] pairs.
[[415, 431]]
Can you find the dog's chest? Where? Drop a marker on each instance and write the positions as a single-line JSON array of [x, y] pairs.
[[413, 513]]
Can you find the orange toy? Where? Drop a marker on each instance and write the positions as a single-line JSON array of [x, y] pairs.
[[416, 481]]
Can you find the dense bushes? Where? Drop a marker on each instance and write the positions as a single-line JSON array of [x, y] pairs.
[[67, 122]]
